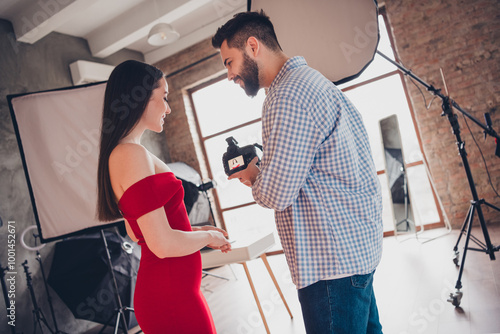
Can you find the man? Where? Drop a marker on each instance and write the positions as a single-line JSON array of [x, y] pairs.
[[316, 172]]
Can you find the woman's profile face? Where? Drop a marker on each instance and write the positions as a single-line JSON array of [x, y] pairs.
[[157, 108]]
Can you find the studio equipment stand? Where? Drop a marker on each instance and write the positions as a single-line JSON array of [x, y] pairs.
[[407, 221], [120, 311], [39, 259], [49, 298], [38, 317], [475, 207]]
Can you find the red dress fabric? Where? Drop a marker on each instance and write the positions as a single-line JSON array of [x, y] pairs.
[[167, 295]]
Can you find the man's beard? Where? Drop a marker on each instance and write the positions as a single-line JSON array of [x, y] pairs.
[[250, 76]]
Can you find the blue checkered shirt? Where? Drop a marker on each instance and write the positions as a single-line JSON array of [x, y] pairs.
[[318, 174]]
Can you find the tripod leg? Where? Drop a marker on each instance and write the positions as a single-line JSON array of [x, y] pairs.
[[121, 316], [489, 248], [34, 324], [497, 248], [491, 206], [456, 253], [117, 324], [456, 297], [115, 286], [462, 230]]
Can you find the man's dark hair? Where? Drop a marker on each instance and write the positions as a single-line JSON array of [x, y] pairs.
[[244, 25]]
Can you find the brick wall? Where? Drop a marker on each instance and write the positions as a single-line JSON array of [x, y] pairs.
[[184, 70], [187, 69], [461, 37]]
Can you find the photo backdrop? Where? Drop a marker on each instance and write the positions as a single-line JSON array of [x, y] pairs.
[[58, 135]]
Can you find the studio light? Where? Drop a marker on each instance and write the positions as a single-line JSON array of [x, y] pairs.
[[162, 34]]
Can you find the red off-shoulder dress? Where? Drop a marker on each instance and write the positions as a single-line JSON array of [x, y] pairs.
[[167, 295]]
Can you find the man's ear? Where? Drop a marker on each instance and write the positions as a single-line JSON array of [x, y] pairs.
[[253, 46]]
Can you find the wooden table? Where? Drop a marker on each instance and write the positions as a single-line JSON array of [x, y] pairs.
[[242, 251]]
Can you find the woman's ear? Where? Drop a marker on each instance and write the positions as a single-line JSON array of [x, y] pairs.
[[253, 46]]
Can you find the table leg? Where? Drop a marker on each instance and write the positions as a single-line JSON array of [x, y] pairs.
[[255, 296], [264, 259]]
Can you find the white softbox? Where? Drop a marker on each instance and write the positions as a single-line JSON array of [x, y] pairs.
[[339, 38], [58, 134]]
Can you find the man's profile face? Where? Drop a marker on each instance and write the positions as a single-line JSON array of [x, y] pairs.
[[241, 69]]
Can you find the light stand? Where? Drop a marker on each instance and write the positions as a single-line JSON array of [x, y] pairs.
[[38, 317], [120, 311], [49, 298], [204, 187], [37, 313], [407, 219], [475, 206]]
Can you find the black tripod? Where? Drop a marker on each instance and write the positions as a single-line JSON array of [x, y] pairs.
[[49, 298], [475, 206], [38, 317], [120, 310], [407, 221]]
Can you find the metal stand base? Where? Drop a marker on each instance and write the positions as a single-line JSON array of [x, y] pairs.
[[120, 311], [475, 207]]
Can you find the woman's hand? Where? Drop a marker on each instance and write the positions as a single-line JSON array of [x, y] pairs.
[[209, 228], [219, 237]]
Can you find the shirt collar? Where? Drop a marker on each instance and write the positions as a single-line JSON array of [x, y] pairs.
[[289, 65]]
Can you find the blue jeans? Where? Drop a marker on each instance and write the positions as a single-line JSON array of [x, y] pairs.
[[345, 305]]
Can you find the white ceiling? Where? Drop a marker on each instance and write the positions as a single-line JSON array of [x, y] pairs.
[[112, 25]]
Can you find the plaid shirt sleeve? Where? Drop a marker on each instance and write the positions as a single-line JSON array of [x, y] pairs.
[[292, 140]]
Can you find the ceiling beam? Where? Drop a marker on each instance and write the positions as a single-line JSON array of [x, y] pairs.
[[190, 39], [136, 23], [40, 18]]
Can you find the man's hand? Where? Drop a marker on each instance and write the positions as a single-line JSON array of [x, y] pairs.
[[248, 175]]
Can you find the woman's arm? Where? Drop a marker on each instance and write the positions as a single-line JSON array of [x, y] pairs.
[[130, 233], [167, 242], [130, 163]]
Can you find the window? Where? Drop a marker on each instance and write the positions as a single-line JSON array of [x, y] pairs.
[[377, 93], [222, 110]]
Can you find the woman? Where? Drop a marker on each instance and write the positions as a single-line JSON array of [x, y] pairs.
[[136, 185]]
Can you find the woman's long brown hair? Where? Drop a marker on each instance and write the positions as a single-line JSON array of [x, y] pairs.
[[128, 91]]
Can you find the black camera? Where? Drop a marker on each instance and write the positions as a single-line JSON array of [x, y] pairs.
[[237, 158]]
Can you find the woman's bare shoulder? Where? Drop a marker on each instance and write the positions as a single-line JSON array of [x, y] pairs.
[[129, 163], [128, 151]]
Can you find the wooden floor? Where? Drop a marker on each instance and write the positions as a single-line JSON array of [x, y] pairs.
[[412, 285]]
